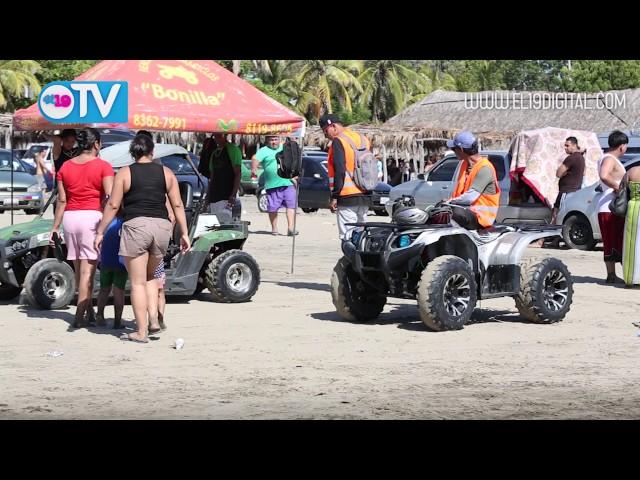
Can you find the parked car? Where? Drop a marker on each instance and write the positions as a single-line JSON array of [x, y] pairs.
[[31, 169], [578, 214], [314, 192], [23, 189], [247, 183], [439, 184]]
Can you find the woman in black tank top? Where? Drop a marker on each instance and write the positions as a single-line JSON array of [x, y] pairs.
[[143, 188]]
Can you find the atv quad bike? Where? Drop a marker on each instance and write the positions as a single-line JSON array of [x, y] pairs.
[[216, 260], [447, 269]]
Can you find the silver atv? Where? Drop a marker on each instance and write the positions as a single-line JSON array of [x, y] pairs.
[[447, 269]]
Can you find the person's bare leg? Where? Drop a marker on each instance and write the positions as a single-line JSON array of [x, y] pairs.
[[137, 268], [162, 302], [291, 212], [273, 218], [118, 306], [76, 270], [87, 271], [103, 298], [152, 293]]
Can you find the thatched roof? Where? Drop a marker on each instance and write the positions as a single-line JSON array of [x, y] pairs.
[[402, 139], [505, 111]]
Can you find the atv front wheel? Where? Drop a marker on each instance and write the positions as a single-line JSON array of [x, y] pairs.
[[447, 293], [546, 290], [354, 300], [50, 284], [232, 277]]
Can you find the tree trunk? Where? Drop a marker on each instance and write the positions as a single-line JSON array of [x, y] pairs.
[[236, 67]]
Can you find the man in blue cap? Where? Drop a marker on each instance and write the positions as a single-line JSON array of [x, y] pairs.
[[476, 187]]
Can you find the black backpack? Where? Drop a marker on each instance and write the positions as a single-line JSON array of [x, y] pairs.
[[289, 160]]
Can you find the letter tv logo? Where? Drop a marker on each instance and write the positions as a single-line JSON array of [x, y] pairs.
[[85, 102]]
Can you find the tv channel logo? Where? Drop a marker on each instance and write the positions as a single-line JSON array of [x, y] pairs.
[[85, 102]]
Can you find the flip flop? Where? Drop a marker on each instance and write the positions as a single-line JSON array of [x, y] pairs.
[[154, 330], [125, 337]]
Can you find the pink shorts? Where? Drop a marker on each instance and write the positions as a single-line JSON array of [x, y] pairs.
[[80, 228]]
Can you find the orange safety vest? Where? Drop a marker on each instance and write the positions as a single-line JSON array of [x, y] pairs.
[[486, 205], [349, 187]]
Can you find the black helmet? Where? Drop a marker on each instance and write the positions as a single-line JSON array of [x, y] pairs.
[[410, 216]]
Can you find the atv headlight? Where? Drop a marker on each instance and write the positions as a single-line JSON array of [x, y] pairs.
[[404, 241], [33, 188]]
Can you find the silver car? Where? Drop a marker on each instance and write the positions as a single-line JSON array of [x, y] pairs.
[[578, 213], [24, 193]]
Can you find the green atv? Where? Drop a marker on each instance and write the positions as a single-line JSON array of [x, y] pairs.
[[216, 260]]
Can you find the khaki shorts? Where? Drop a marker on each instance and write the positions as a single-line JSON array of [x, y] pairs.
[[145, 234]]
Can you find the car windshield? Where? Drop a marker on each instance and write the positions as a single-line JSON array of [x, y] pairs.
[[30, 154], [6, 162], [178, 164]]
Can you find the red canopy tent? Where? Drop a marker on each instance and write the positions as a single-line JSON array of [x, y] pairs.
[[183, 95]]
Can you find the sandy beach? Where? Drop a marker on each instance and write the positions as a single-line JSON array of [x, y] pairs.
[[287, 354]]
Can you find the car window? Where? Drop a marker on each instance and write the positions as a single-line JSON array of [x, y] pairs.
[[445, 171], [6, 161], [178, 164], [498, 163], [311, 167]]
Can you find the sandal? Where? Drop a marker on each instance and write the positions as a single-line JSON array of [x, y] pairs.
[[127, 337]]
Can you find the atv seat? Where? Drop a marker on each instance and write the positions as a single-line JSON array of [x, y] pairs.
[[497, 228], [486, 235]]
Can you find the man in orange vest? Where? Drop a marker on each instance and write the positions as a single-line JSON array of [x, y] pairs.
[[477, 186], [350, 203]]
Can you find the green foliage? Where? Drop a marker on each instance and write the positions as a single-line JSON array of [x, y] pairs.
[[601, 75], [62, 70]]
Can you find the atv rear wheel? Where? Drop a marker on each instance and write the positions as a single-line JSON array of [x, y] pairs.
[[354, 300], [546, 290], [50, 284], [232, 277], [447, 293]]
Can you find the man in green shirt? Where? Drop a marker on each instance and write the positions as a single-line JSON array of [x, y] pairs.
[[281, 192], [225, 167]]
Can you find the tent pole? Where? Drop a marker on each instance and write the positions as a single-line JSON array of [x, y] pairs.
[[295, 211], [11, 165]]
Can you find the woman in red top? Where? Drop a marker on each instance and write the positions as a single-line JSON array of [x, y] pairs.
[[84, 183]]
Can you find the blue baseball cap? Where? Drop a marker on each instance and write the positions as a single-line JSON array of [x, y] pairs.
[[462, 140]]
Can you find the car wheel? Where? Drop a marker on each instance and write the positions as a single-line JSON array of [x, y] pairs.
[[241, 191], [309, 210], [262, 202], [577, 233], [50, 284], [32, 211]]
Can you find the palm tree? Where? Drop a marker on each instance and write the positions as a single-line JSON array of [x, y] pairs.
[[389, 84], [15, 77], [321, 81]]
